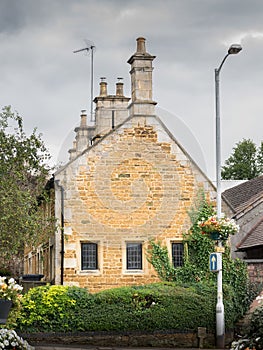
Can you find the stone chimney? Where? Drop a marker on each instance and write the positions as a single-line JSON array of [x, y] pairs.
[[111, 110], [73, 151], [141, 81], [84, 134]]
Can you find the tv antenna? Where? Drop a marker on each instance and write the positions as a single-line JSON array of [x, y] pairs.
[[89, 48]]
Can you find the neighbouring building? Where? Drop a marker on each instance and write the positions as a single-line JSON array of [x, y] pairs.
[[128, 181], [246, 201]]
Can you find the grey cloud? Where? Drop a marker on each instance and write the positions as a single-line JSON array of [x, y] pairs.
[[49, 85]]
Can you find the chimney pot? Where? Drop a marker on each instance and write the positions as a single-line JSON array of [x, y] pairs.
[[83, 116], [141, 45], [119, 87], [103, 87]]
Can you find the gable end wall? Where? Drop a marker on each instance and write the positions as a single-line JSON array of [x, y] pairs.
[[133, 186]]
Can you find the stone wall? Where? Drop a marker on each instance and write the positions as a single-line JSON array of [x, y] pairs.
[[134, 185], [165, 339]]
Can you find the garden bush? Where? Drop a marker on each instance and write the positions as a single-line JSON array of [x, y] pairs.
[[253, 339], [162, 306], [47, 308], [256, 328]]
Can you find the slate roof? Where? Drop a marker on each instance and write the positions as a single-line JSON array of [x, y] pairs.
[[253, 238], [247, 196], [244, 194]]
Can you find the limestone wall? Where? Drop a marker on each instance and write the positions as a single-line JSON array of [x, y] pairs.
[[134, 185]]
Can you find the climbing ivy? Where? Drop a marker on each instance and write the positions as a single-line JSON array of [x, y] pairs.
[[158, 256], [197, 248], [195, 269]]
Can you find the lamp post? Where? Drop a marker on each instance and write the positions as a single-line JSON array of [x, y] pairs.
[[220, 318]]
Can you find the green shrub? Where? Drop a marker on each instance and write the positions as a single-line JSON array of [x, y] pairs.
[[256, 327], [254, 338], [160, 306], [47, 308]]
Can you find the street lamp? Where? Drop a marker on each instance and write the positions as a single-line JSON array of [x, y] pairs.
[[220, 319]]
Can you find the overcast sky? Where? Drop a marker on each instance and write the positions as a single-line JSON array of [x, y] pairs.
[[49, 85]]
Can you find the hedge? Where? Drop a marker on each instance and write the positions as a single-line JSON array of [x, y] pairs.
[[161, 306]]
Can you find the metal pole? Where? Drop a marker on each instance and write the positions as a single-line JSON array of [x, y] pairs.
[[218, 145], [91, 87], [92, 47], [220, 315]]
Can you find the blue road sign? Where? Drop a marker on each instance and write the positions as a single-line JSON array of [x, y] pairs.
[[215, 262]]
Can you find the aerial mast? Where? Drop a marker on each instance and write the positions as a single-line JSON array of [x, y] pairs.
[[88, 49]]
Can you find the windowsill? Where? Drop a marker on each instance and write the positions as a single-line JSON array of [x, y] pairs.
[[133, 272], [90, 272]]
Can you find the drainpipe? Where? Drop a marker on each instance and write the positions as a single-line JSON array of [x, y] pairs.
[[112, 119], [62, 252]]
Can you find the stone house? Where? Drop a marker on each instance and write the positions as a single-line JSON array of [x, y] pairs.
[[246, 201], [128, 181]]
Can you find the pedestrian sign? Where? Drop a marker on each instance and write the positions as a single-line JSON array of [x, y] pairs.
[[215, 262]]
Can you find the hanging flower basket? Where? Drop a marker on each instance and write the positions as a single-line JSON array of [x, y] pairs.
[[214, 235], [5, 306], [218, 229]]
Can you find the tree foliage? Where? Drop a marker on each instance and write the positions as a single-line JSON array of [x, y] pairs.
[[245, 163], [260, 158], [23, 174]]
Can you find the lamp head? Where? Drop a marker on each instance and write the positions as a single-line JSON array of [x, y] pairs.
[[234, 49]]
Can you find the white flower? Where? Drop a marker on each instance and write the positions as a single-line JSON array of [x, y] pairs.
[[10, 338], [259, 298], [9, 289]]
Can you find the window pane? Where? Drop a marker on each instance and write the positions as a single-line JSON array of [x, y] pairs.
[[89, 256], [177, 254], [134, 256]]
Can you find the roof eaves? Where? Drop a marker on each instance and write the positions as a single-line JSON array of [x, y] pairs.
[[241, 244]]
